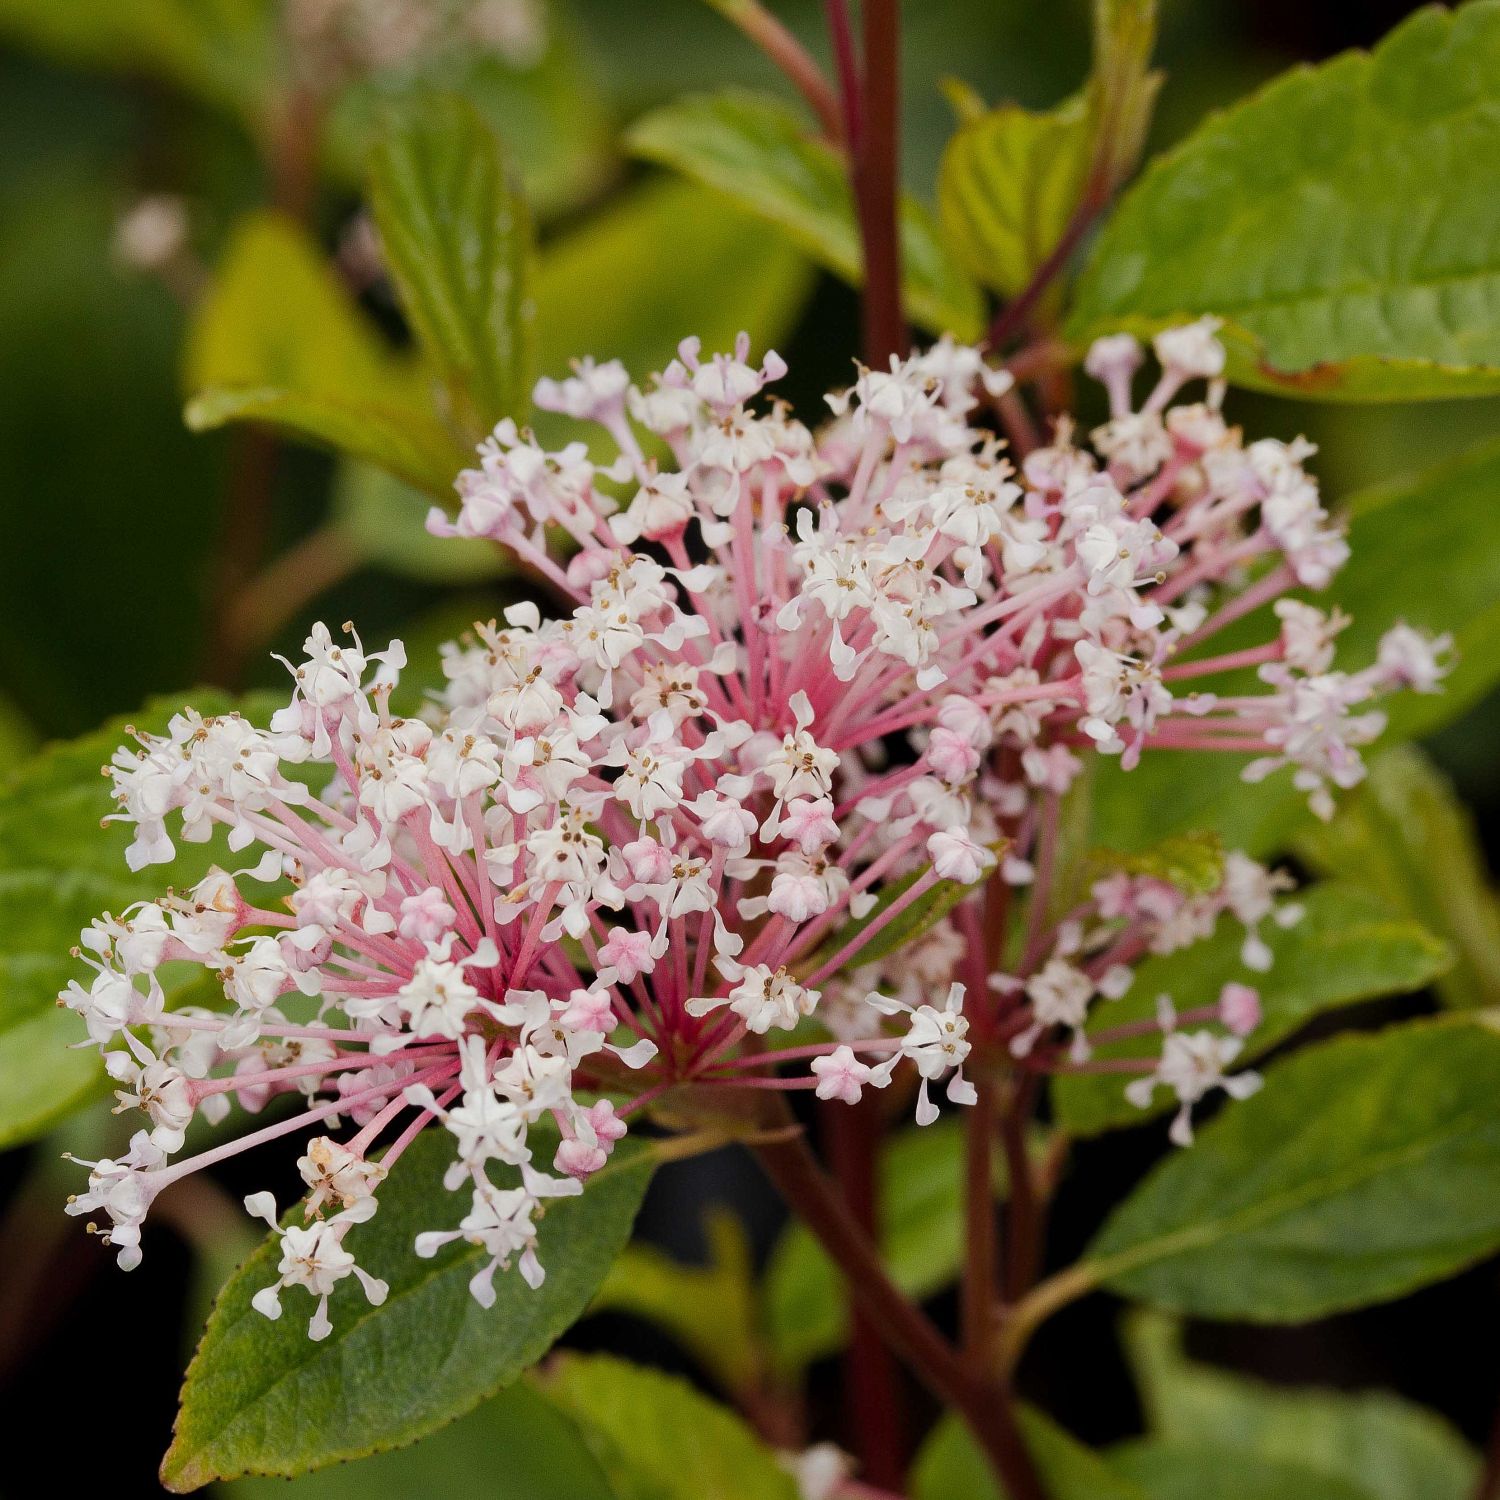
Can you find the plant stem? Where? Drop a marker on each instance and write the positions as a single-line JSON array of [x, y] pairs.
[[982, 1401], [782, 47], [264, 603], [846, 64], [1022, 1219], [1046, 1298], [871, 1390], [876, 171], [981, 1283]]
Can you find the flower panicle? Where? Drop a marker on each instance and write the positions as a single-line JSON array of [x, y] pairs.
[[810, 690]]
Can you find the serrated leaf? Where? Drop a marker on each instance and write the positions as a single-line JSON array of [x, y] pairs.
[[1362, 1170], [516, 1446], [58, 870], [921, 1211], [1388, 1448], [1343, 219], [656, 1438], [709, 1309], [457, 237], [1348, 947], [279, 340], [1007, 186], [756, 149], [1425, 550], [262, 1398], [950, 1467], [1405, 837]]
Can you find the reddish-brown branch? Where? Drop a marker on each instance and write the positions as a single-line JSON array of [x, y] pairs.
[[846, 64], [876, 175], [984, 1404], [981, 1286], [782, 47], [872, 1391], [1023, 1221]]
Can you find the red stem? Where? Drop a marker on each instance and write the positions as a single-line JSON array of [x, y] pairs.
[[847, 66], [984, 1404], [872, 1395], [876, 173]]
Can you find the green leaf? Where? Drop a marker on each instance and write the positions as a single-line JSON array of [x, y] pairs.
[[383, 518], [279, 340], [548, 108], [1123, 89], [1425, 550], [710, 1309], [222, 51], [658, 1439], [925, 912], [757, 150], [262, 1398], [1363, 1169], [1349, 946], [950, 1467], [515, 1446], [921, 1210], [1193, 862], [727, 273], [1343, 220], [457, 238], [1008, 185], [1405, 837], [1386, 1447], [58, 870], [1189, 1471]]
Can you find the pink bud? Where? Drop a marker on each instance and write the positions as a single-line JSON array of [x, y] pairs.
[[1239, 1008]]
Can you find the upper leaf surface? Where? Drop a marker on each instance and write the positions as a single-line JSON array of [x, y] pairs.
[[1346, 220], [757, 150], [1363, 1169], [261, 1398]]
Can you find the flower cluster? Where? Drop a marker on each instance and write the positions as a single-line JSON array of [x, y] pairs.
[[808, 692]]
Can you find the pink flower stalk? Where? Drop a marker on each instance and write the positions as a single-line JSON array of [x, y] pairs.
[[806, 683]]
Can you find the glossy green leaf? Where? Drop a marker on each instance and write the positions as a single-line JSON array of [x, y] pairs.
[[1363, 1169], [758, 151], [457, 237], [1425, 550], [1344, 220], [921, 1209], [1405, 837], [1163, 1470], [1349, 946], [58, 870], [1008, 185], [1388, 1448], [727, 273], [656, 1438], [709, 1309], [516, 1446], [262, 1398], [950, 1466], [279, 340]]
